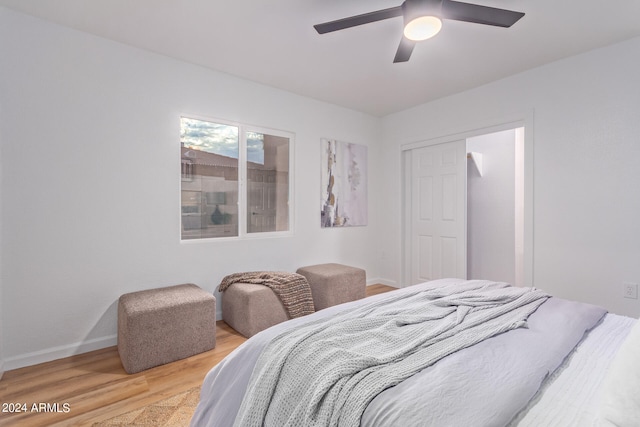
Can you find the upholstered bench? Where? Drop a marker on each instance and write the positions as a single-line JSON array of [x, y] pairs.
[[159, 326], [333, 284], [250, 308]]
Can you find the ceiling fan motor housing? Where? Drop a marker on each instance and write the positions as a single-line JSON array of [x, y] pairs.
[[412, 9]]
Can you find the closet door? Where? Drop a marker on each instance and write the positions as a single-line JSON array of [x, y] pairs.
[[438, 213]]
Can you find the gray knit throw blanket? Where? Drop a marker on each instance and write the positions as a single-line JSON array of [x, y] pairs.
[[326, 372], [292, 288]]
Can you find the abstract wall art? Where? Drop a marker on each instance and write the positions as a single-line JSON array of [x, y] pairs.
[[344, 184]]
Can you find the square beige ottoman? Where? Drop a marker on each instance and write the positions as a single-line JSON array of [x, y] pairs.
[[333, 284], [159, 326], [250, 308]]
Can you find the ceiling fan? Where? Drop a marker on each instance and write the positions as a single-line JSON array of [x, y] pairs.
[[423, 20]]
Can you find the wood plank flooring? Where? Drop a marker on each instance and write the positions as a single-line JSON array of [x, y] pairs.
[[95, 387]]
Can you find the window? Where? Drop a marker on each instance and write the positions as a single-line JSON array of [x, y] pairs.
[[235, 180]]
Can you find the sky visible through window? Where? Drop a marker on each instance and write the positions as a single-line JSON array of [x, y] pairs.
[[219, 139]]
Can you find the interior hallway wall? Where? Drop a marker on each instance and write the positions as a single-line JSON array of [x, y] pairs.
[[491, 219]]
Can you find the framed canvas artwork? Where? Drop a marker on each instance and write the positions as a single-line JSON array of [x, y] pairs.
[[344, 184]]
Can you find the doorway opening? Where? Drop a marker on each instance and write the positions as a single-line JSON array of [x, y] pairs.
[[495, 240], [495, 206]]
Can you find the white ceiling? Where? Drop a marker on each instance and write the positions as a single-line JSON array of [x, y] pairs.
[[273, 42]]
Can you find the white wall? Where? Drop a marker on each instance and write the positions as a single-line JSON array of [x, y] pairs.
[[491, 219], [586, 197], [91, 175], [1, 275], [90, 178]]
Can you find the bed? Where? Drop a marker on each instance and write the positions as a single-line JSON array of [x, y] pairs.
[[443, 353]]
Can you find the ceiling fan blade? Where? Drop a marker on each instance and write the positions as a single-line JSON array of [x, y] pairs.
[[354, 21], [404, 50], [459, 11]]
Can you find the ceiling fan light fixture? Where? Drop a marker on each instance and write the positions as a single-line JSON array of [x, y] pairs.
[[422, 20], [422, 28]]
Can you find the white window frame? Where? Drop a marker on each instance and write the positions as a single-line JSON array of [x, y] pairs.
[[242, 181]]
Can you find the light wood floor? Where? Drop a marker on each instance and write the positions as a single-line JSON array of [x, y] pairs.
[[96, 387]]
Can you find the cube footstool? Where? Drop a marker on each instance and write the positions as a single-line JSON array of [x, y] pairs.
[[333, 284], [159, 326], [250, 308]]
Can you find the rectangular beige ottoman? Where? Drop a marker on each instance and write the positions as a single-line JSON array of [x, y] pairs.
[[159, 326], [333, 284], [250, 308]]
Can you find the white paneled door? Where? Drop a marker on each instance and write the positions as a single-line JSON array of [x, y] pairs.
[[438, 212]]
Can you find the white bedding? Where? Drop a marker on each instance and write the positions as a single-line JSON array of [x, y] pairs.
[[571, 396], [326, 373], [487, 384], [620, 393]]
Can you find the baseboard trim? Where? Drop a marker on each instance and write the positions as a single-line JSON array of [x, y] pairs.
[[60, 352]]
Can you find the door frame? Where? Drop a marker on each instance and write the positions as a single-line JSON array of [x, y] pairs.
[[522, 120]]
